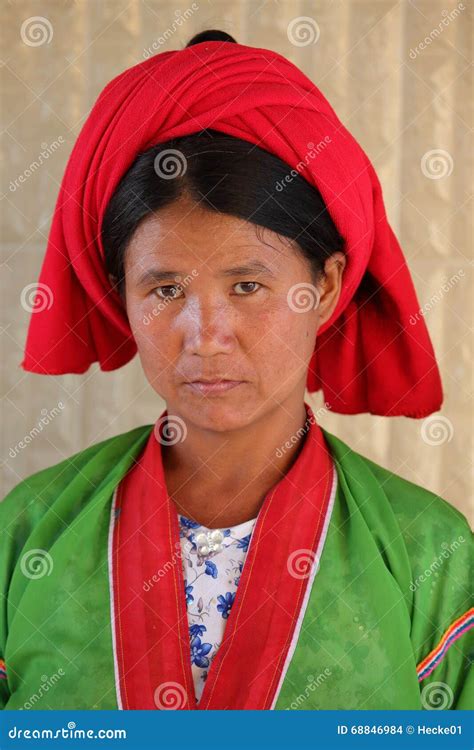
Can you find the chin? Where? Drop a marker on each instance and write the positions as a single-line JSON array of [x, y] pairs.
[[220, 414]]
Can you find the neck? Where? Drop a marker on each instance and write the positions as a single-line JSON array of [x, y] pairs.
[[221, 479]]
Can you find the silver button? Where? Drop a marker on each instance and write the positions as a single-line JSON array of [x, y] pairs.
[[209, 541]]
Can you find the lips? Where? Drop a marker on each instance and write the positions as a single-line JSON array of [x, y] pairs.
[[211, 380], [208, 387]]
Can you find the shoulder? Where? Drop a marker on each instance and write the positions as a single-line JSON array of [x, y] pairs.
[[427, 545], [418, 511]]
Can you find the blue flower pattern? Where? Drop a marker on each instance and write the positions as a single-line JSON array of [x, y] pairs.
[[225, 603], [210, 585], [211, 569], [187, 591], [244, 543], [199, 651]]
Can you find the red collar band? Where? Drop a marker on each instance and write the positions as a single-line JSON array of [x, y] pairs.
[[150, 627]]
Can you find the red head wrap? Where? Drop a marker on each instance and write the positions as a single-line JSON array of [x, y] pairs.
[[369, 357]]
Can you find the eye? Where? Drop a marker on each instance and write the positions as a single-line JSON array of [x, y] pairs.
[[174, 290], [247, 284]]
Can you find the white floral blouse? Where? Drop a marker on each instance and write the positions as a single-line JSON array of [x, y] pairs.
[[212, 563]]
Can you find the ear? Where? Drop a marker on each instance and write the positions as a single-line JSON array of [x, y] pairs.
[[112, 279], [331, 286]]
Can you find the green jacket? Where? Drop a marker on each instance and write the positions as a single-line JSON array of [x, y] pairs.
[[393, 587]]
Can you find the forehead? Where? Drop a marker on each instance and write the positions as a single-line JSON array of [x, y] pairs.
[[187, 233]]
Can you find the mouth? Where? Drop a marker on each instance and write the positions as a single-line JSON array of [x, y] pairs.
[[207, 387]]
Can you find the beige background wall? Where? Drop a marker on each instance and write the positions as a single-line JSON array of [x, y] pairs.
[[400, 100]]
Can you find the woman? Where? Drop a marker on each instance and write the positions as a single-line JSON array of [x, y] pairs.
[[217, 217]]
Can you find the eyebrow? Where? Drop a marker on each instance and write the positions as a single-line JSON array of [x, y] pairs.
[[158, 274]]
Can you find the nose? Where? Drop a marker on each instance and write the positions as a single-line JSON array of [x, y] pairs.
[[207, 326]]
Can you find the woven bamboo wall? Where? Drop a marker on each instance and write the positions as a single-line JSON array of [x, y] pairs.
[[397, 74]]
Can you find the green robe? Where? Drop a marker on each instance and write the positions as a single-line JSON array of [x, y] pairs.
[[393, 579]]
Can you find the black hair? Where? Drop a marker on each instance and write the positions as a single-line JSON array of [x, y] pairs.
[[223, 174], [211, 35]]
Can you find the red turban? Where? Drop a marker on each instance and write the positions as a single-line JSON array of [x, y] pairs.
[[372, 355]]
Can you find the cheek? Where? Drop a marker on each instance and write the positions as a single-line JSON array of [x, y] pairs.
[[151, 333], [282, 341], [275, 339]]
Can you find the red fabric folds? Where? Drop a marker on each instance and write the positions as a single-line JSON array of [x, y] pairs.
[[368, 356], [150, 623]]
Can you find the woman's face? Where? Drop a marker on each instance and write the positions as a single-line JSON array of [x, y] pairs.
[[207, 300]]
